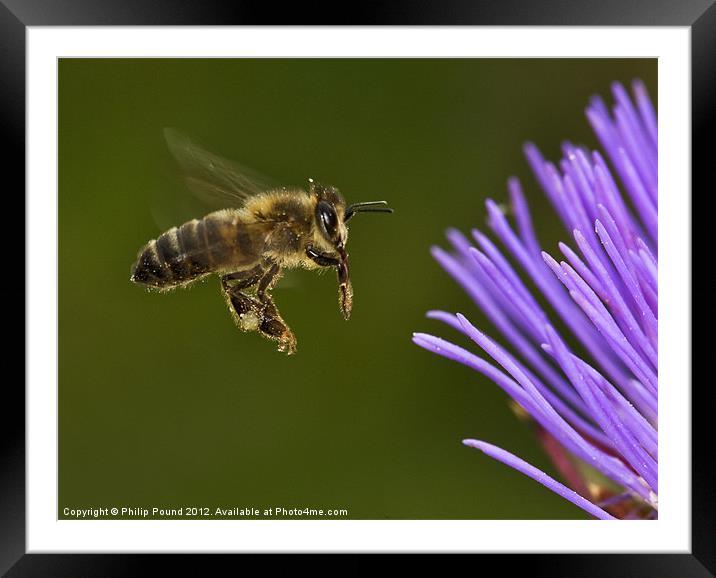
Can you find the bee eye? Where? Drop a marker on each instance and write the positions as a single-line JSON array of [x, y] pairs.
[[327, 217]]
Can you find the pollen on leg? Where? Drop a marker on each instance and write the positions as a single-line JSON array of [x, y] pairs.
[[249, 321]]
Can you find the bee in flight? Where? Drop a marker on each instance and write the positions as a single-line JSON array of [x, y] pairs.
[[263, 231]]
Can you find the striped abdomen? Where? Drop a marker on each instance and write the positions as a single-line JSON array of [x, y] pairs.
[[198, 247]]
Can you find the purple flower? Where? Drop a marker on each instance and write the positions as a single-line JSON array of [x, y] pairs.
[[583, 368]]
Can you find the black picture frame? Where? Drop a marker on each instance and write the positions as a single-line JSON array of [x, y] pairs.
[[16, 15]]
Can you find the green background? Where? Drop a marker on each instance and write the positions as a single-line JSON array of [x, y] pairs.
[[163, 402]]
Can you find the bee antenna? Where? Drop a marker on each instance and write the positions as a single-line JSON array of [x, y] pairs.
[[367, 207]]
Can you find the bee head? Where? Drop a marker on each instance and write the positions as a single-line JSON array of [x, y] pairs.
[[330, 211]]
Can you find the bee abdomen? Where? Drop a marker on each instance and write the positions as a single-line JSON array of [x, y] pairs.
[[177, 256]]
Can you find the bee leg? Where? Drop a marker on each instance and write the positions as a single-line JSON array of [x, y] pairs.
[[246, 311], [270, 277], [321, 258], [272, 324], [242, 279], [345, 289], [274, 327]]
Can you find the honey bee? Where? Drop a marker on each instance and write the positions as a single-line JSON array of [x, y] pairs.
[[262, 231]]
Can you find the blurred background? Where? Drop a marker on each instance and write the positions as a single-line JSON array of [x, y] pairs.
[[164, 402]]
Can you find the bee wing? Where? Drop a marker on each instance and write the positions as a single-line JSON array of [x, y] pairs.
[[214, 179]]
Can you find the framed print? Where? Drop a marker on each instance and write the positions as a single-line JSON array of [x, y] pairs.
[[475, 368]]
